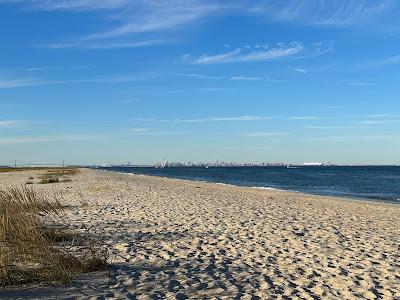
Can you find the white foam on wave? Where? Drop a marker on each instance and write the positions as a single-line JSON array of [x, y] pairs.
[[265, 188], [227, 184], [268, 188]]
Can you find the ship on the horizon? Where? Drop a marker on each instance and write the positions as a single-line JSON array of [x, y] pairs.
[[290, 166], [312, 164], [164, 164]]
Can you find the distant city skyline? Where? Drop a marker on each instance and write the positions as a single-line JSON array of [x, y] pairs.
[[88, 81]]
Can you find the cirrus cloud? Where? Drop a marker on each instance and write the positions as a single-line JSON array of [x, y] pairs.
[[258, 54]]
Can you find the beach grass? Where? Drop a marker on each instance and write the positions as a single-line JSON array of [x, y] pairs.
[[21, 169], [32, 241], [57, 175], [56, 170]]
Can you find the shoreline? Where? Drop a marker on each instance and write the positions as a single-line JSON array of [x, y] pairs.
[[180, 239], [343, 198]]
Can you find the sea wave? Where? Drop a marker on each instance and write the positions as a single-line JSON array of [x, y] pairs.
[[265, 188], [268, 188], [225, 184], [367, 183]]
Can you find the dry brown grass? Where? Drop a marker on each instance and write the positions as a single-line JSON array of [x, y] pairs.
[[57, 175], [62, 171], [9, 169], [33, 244], [51, 175], [19, 169]]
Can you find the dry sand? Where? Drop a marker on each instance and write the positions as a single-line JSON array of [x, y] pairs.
[[175, 239]]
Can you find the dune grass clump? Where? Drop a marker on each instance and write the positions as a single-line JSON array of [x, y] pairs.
[[57, 175], [21, 169], [33, 244], [25, 253], [51, 175], [9, 169], [50, 179]]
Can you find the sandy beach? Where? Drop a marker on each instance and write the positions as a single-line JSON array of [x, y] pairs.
[[176, 239]]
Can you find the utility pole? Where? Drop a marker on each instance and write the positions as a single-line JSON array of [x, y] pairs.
[[15, 163], [63, 163]]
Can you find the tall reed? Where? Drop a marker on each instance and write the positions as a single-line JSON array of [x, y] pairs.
[[28, 250]]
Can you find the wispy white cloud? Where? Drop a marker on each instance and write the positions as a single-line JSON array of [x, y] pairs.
[[331, 127], [144, 119], [316, 49], [242, 118], [212, 89], [222, 119], [381, 62], [49, 138], [115, 79], [303, 118], [29, 82], [245, 78], [139, 129], [9, 123], [233, 78], [298, 70], [14, 83], [207, 119], [146, 23], [248, 147], [33, 69], [77, 5], [155, 23], [143, 22], [321, 13], [354, 138], [152, 14], [38, 81], [224, 57], [378, 116], [159, 133], [201, 76], [269, 79], [266, 134], [336, 106], [21, 129], [14, 125], [186, 91], [376, 122], [243, 55], [361, 83], [105, 44]]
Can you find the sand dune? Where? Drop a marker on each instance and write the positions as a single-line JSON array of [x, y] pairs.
[[175, 239]]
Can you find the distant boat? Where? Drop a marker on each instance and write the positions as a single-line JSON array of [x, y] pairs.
[[164, 164], [313, 164], [291, 167]]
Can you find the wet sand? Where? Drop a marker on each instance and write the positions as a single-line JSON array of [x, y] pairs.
[[176, 239]]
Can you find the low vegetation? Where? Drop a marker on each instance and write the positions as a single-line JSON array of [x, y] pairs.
[[34, 244], [57, 175], [20, 169], [8, 169], [51, 175]]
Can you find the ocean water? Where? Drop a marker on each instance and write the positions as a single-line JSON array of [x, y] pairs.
[[379, 183]]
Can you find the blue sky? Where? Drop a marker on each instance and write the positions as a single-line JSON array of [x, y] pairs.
[[111, 81]]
